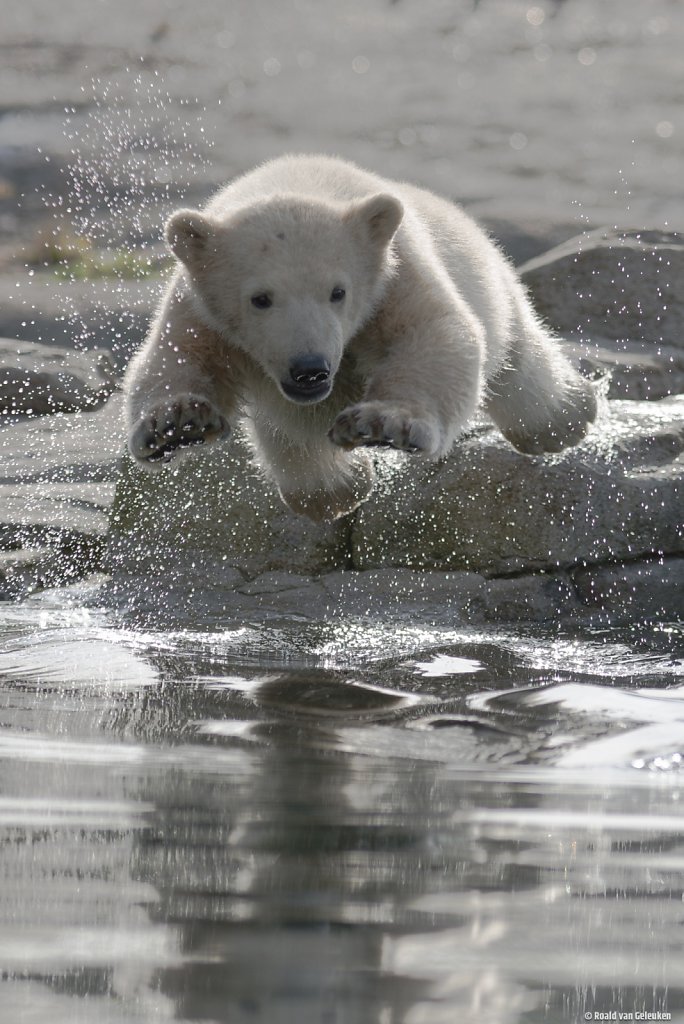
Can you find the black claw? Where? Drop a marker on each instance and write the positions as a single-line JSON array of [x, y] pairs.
[[383, 442], [188, 442], [167, 451]]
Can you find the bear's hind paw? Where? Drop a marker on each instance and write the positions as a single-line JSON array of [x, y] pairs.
[[181, 422], [568, 427]]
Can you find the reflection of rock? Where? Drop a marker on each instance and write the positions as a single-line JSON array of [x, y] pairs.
[[39, 379], [621, 294]]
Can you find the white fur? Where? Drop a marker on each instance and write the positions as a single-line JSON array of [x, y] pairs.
[[434, 324]]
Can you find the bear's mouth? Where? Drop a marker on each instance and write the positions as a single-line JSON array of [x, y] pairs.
[[306, 393]]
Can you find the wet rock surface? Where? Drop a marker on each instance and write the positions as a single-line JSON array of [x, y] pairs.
[[215, 504]]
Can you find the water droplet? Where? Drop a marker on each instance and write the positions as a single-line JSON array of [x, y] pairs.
[[518, 140], [272, 67], [407, 136], [665, 129]]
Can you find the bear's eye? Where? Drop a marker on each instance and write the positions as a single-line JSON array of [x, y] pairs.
[[261, 301], [337, 294]]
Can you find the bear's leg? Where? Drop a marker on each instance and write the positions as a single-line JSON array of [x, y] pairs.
[[316, 479], [181, 388], [537, 400], [425, 387]]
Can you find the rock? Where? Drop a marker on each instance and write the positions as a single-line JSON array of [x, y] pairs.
[[486, 535], [647, 589], [620, 298], [487, 509], [59, 471], [38, 379], [51, 558], [214, 508], [635, 370], [211, 594], [448, 598], [57, 483], [614, 284]]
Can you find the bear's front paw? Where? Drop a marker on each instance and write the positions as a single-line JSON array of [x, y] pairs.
[[180, 422], [381, 424]]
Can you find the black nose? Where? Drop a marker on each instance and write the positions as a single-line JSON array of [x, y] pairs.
[[310, 371]]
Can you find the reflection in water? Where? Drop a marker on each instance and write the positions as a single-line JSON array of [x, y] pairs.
[[455, 830]]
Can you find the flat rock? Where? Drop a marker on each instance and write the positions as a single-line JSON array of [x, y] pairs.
[[79, 450], [104, 314], [38, 379], [208, 593]]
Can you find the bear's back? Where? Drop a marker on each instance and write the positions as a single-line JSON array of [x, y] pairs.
[[321, 177]]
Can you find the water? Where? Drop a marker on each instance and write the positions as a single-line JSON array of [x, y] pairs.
[[286, 821]]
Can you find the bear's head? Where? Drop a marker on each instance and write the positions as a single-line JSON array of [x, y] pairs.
[[290, 280]]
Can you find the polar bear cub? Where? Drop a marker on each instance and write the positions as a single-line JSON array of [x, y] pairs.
[[331, 310]]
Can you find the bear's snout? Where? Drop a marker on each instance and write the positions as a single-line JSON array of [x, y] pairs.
[[309, 379]]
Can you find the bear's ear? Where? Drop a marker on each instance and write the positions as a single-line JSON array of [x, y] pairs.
[[187, 232], [381, 216]]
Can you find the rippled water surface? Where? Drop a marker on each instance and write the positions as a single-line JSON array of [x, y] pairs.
[[342, 822]]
